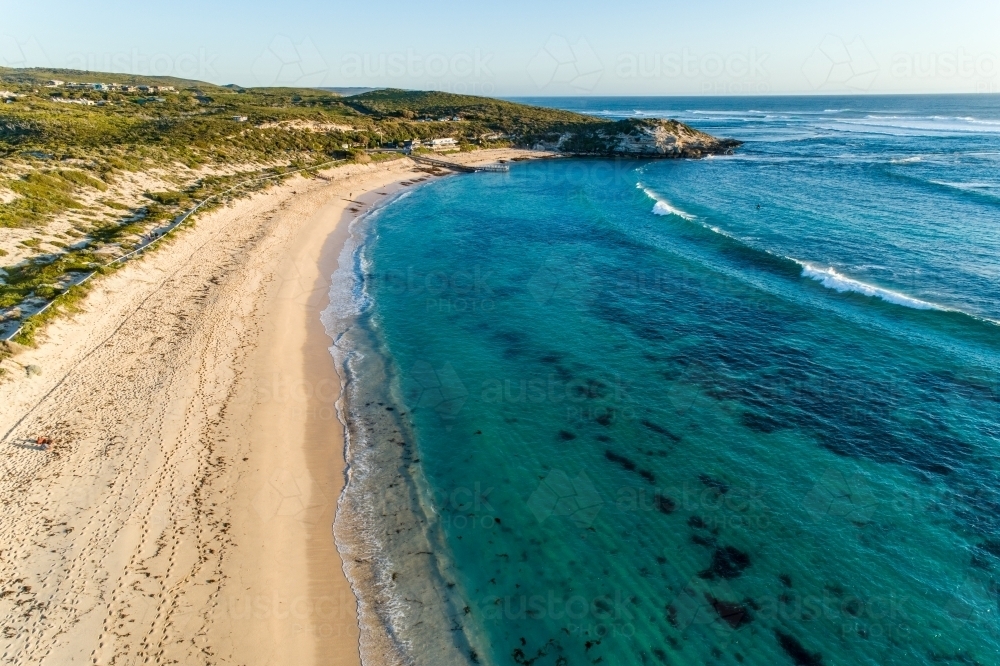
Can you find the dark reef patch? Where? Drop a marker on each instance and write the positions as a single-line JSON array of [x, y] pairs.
[[591, 389], [716, 485], [626, 463], [727, 562], [761, 422], [660, 430], [794, 649], [733, 614], [664, 504]]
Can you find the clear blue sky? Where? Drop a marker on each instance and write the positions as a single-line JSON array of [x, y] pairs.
[[525, 48]]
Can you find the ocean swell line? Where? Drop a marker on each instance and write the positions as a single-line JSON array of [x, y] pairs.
[[828, 277], [662, 206], [831, 279]]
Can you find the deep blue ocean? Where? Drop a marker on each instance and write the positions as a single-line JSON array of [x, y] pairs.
[[741, 410]]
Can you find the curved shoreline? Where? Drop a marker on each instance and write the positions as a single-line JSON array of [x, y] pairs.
[[366, 514], [195, 458], [184, 465], [387, 535]]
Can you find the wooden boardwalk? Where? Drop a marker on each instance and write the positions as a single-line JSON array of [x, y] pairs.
[[499, 168]]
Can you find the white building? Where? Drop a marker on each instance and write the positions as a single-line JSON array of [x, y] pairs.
[[64, 100], [442, 144]]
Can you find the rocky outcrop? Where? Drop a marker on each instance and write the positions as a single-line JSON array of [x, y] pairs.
[[640, 138]]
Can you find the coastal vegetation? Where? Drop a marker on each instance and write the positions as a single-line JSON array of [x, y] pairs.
[[90, 170]]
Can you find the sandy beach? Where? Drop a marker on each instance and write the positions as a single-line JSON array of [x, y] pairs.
[[183, 512]]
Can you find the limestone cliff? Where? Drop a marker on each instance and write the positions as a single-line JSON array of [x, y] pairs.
[[639, 138]]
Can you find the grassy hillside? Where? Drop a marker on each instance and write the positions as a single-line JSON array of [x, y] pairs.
[[482, 113], [85, 174], [195, 125]]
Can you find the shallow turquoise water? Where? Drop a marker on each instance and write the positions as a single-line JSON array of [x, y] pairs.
[[653, 423]]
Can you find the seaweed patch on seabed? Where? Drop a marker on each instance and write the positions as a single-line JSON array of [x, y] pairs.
[[727, 562], [794, 649], [734, 614], [629, 465], [625, 463], [664, 504], [660, 430], [864, 405], [715, 484]]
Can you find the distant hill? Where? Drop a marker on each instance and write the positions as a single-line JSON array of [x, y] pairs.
[[348, 92], [542, 127], [497, 114], [38, 76], [198, 120]]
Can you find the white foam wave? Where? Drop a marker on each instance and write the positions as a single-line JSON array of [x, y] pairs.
[[831, 279], [931, 124], [967, 186], [347, 295], [662, 206]]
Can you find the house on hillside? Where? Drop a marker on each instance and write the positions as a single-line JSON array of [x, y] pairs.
[[442, 144], [82, 102], [54, 83]]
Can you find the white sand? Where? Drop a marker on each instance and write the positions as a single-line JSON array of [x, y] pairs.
[[183, 513]]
